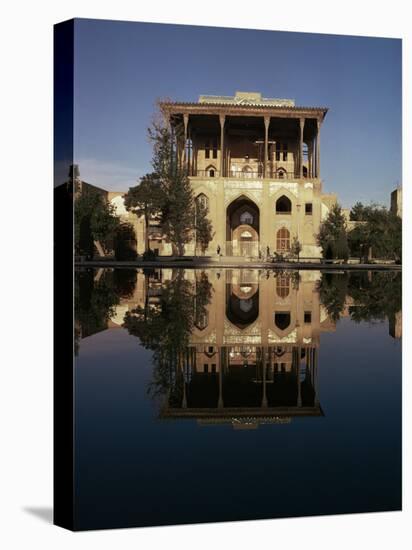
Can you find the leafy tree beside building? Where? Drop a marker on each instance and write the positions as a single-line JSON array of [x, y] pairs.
[[95, 223], [332, 237], [145, 199], [378, 233], [296, 247], [168, 192]]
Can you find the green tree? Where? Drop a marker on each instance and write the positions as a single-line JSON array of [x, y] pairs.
[[333, 288], [296, 247], [145, 199], [379, 230], [332, 237], [95, 222], [178, 214], [357, 212], [178, 208], [203, 227], [125, 242]]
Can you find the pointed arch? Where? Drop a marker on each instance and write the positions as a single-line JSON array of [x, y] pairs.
[[283, 205], [202, 200], [282, 319]]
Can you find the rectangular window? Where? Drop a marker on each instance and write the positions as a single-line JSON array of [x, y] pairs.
[[308, 208], [277, 150], [214, 145], [210, 349], [285, 151], [307, 317], [205, 368], [213, 367], [207, 149]]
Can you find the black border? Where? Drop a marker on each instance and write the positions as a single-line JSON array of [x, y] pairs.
[[63, 429]]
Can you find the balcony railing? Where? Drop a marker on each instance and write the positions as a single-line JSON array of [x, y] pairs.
[[247, 175]]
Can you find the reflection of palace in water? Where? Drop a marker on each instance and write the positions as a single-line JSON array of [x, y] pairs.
[[253, 352]]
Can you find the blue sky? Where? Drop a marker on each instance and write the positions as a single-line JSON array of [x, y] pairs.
[[122, 68]]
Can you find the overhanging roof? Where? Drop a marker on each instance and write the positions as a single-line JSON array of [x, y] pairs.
[[172, 107]]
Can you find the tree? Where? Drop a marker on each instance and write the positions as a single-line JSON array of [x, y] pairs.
[[378, 230], [145, 199], [95, 222], [357, 212], [296, 247], [125, 242], [178, 214], [332, 237], [203, 227], [179, 220], [333, 288]]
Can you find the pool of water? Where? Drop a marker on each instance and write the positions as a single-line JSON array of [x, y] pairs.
[[220, 395]]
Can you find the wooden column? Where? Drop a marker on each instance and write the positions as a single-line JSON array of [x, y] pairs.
[[299, 399], [264, 396], [316, 376], [267, 122], [222, 143], [221, 352], [302, 126], [318, 149], [310, 158], [185, 155]]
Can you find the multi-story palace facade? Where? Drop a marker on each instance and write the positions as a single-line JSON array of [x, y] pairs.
[[255, 162]]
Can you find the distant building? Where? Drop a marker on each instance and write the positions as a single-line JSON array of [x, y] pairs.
[[115, 198], [396, 202]]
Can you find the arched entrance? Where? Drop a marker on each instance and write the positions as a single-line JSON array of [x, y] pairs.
[[242, 228], [242, 304]]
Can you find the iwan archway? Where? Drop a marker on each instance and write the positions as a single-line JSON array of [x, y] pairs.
[[242, 228]]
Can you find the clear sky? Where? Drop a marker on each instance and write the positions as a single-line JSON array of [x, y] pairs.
[[121, 69]]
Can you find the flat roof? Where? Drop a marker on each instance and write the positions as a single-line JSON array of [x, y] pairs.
[[243, 103]]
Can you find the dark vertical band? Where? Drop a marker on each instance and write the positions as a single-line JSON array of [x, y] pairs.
[[63, 276]]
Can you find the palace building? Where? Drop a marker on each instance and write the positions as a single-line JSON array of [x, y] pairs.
[[255, 162]]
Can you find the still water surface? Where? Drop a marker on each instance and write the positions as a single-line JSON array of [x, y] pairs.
[[235, 394]]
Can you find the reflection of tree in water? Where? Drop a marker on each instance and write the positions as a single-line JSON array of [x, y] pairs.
[[376, 295], [97, 292], [165, 326], [333, 289]]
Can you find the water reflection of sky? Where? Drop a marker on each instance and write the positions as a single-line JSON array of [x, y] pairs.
[[134, 468]]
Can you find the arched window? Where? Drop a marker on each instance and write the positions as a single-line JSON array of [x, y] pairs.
[[283, 205], [202, 201], [283, 240], [305, 172], [283, 286], [246, 218], [211, 171], [281, 173], [282, 320], [201, 319]]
